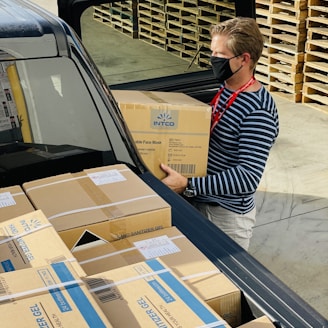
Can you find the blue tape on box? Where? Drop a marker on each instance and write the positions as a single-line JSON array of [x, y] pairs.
[[186, 296]]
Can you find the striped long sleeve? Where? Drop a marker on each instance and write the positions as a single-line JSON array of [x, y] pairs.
[[238, 151]]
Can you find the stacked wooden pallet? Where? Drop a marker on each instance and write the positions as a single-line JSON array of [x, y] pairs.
[[188, 24], [210, 12], [315, 87], [152, 22], [262, 19], [294, 60], [283, 24], [120, 15], [180, 27]]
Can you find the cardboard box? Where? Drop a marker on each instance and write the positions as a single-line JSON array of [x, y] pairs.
[[13, 202], [177, 253], [48, 296], [167, 127], [31, 241], [109, 202], [148, 294], [262, 322]]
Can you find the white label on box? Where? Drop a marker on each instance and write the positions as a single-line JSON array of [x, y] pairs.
[[6, 199], [105, 177], [156, 247]]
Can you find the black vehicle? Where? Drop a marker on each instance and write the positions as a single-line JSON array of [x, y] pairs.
[[65, 119]]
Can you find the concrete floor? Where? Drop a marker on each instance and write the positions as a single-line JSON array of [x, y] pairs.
[[291, 234]]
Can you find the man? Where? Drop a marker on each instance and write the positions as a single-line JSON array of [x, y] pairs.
[[244, 127]]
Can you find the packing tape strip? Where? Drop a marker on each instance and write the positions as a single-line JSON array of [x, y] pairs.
[[32, 230], [79, 210], [124, 281], [40, 290], [63, 181], [54, 183], [96, 258], [201, 274], [17, 193], [215, 324]]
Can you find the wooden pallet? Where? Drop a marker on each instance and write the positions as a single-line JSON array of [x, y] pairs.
[[286, 57], [262, 67], [149, 10], [181, 14], [262, 74], [286, 92], [186, 31], [290, 5], [290, 34], [315, 90], [264, 28], [278, 64], [322, 3], [285, 11], [181, 46], [264, 3], [159, 4], [186, 3], [102, 17], [121, 16], [262, 9], [204, 54], [315, 95], [155, 37], [217, 4], [209, 15]]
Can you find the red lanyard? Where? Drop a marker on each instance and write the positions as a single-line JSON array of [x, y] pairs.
[[217, 113]]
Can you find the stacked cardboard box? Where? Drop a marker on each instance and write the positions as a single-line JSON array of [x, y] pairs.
[[147, 278], [30, 240], [177, 253], [261, 322], [168, 127], [48, 296], [110, 202], [13, 203], [149, 294], [142, 271]]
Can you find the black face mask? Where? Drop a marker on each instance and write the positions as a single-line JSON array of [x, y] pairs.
[[221, 68]]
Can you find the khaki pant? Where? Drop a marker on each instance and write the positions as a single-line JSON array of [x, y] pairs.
[[239, 227]]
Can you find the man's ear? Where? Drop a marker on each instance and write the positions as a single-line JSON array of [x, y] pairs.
[[246, 57]]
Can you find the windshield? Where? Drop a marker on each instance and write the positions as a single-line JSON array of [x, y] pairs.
[[45, 99], [151, 39], [56, 101]]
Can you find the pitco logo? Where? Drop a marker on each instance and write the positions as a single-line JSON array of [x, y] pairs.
[[31, 224], [167, 119]]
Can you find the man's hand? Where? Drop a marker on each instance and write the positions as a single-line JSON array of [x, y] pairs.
[[174, 180]]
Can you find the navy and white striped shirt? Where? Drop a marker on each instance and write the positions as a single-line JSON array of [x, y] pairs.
[[238, 150]]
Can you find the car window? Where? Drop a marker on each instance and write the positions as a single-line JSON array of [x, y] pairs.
[[42, 96], [151, 39]]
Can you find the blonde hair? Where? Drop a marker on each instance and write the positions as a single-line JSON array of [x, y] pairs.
[[243, 35]]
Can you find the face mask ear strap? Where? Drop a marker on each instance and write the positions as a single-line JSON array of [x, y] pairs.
[[235, 56], [238, 69]]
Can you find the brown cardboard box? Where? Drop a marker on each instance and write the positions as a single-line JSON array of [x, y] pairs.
[[110, 202], [13, 202], [167, 127], [177, 253], [30, 240], [48, 296], [148, 294], [261, 322]]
